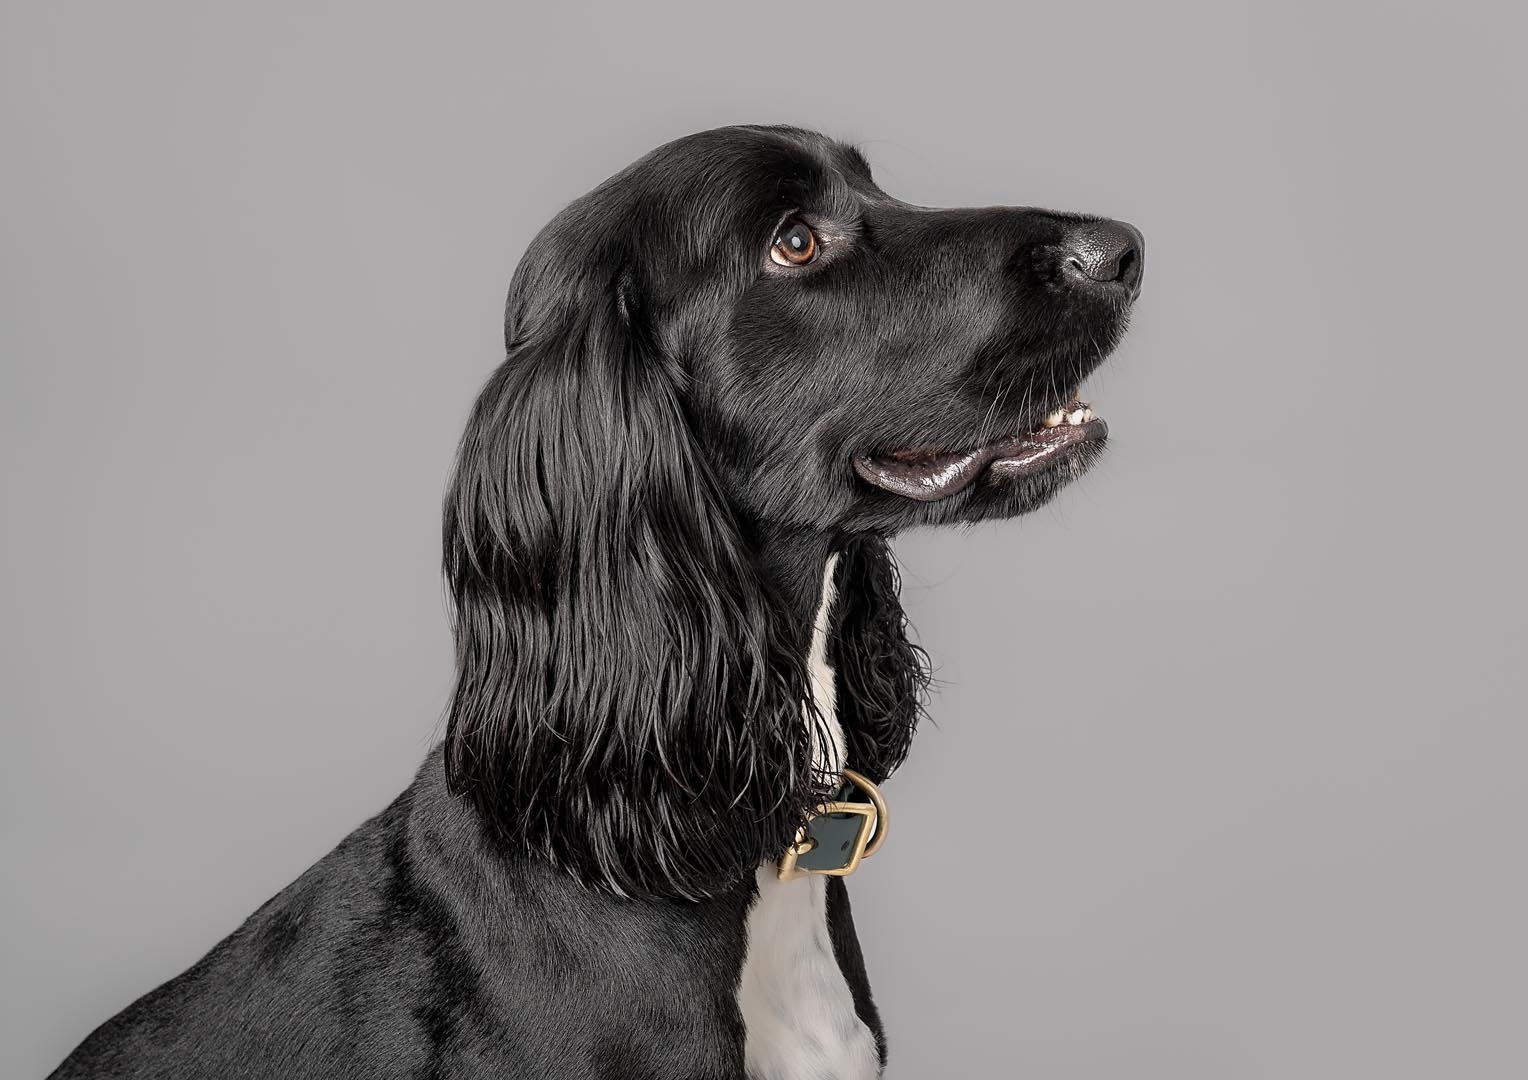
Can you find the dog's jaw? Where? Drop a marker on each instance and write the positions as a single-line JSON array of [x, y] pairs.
[[929, 475]]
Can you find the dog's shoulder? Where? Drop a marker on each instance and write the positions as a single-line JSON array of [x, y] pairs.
[[289, 977], [421, 945]]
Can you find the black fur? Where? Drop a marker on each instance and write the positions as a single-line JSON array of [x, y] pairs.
[[643, 502]]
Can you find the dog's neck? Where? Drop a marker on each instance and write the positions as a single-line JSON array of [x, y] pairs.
[[829, 749], [802, 565], [792, 560]]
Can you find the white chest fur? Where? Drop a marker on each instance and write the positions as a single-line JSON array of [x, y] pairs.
[[796, 1005]]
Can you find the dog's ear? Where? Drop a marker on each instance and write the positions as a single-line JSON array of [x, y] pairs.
[[882, 676], [628, 700]]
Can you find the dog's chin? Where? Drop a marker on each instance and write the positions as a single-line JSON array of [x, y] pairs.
[[999, 496]]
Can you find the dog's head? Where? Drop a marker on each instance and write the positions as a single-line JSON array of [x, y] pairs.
[[737, 339]]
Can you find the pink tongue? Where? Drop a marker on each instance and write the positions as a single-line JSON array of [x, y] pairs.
[[933, 476]]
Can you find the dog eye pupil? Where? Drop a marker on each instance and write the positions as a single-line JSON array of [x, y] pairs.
[[795, 245]]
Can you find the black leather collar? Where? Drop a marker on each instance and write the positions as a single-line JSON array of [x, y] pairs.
[[849, 827]]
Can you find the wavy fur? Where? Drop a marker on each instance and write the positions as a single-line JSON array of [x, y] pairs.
[[630, 697]]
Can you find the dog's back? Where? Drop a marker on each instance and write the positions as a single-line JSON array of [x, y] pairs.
[[416, 948]]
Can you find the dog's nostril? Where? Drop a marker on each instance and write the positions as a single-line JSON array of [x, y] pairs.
[[1106, 252], [1129, 267]]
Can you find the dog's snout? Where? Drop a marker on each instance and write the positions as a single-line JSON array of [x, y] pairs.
[[1104, 253]]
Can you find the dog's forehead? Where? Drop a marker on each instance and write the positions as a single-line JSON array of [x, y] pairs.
[[779, 167], [841, 176], [825, 168], [784, 144]]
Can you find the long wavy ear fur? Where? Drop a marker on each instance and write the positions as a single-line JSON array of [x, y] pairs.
[[628, 701], [883, 677]]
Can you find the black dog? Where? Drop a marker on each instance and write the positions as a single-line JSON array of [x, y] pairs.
[[734, 371]]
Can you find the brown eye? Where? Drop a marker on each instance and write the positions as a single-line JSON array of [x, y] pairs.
[[795, 244]]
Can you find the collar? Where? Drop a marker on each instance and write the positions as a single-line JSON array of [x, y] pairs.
[[849, 827]]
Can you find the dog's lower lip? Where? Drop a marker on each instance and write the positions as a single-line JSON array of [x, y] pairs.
[[929, 475]]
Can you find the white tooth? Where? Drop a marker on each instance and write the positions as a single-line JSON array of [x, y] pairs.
[[1056, 418], [1087, 413], [1076, 416]]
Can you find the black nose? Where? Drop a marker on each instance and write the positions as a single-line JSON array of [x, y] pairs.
[[1104, 253]]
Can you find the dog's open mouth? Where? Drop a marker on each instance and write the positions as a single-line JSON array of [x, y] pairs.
[[929, 475]]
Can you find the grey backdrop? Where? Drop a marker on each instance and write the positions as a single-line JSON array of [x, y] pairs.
[[1242, 713]]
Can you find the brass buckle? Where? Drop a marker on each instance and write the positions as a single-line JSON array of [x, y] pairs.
[[867, 840]]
